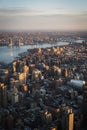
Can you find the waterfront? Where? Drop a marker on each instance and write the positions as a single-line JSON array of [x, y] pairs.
[[7, 54], [44, 86]]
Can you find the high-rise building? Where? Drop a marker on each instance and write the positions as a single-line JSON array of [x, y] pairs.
[[14, 98], [10, 42], [14, 66], [36, 74], [3, 95], [68, 120], [22, 78]]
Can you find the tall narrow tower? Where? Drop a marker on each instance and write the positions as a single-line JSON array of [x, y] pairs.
[[10, 42], [3, 95], [68, 120], [19, 43]]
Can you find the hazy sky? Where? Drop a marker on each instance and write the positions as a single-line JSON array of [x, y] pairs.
[[43, 14]]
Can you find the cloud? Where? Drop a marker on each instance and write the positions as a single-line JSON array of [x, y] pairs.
[[19, 12], [25, 19], [32, 12], [84, 13]]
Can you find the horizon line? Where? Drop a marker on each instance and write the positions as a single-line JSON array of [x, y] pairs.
[[43, 30]]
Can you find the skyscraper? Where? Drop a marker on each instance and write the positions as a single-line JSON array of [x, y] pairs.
[[10, 42], [3, 95], [68, 120]]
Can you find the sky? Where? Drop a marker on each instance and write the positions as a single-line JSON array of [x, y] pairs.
[[43, 15]]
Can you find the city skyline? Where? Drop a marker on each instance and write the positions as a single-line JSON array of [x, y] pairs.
[[43, 15]]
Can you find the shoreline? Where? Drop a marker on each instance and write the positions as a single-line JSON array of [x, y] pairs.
[[52, 45]]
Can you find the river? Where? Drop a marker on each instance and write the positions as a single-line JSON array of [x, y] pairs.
[[7, 54]]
